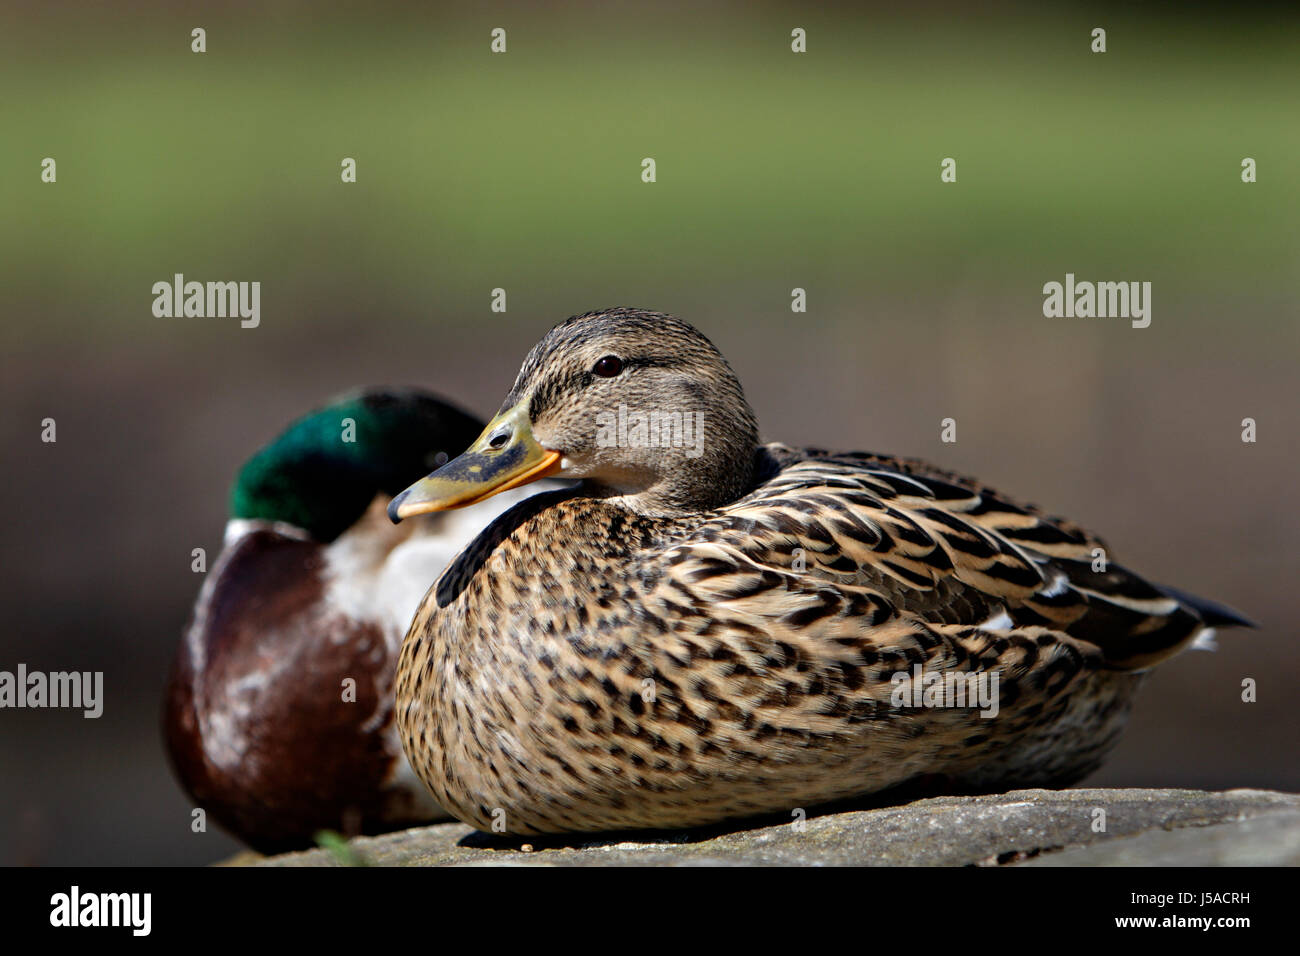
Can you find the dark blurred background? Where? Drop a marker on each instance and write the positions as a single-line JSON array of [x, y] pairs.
[[522, 171]]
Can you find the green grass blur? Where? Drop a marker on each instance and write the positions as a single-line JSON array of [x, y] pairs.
[[523, 170]]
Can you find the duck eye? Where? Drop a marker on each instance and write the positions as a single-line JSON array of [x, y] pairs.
[[608, 367]]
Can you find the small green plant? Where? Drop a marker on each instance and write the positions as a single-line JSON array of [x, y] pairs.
[[343, 852]]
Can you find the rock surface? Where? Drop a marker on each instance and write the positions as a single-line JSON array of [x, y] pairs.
[[1035, 827]]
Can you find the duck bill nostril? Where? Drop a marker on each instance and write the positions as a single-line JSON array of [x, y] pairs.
[[505, 456]]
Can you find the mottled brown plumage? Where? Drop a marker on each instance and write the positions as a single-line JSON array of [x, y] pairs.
[[681, 640]]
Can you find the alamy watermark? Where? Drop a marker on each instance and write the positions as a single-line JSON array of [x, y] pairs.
[[77, 690], [218, 300], [651, 429], [975, 689], [1101, 300], [129, 910]]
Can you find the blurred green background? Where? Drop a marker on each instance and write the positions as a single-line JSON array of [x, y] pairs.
[[522, 171]]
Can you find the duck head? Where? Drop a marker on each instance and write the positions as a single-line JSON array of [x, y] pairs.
[[639, 405], [321, 474]]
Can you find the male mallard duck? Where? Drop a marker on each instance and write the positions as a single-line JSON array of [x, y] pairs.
[[711, 629], [314, 587]]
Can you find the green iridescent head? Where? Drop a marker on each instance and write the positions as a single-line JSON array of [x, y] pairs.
[[325, 469]]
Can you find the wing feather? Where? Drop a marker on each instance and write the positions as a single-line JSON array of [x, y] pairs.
[[926, 547]]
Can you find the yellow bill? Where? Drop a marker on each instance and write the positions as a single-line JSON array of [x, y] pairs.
[[505, 456]]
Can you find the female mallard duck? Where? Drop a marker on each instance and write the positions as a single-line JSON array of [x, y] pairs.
[[314, 587], [707, 628]]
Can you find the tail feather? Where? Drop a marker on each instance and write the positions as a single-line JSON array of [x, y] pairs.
[[1212, 613]]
